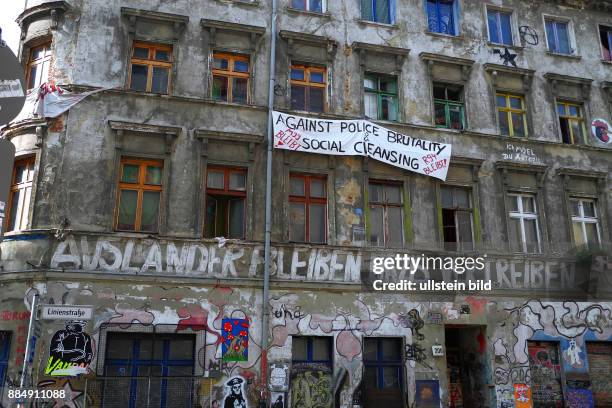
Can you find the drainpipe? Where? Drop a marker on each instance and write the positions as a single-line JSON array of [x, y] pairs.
[[28, 343], [268, 204]]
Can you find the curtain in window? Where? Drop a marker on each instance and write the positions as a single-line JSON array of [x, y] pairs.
[[382, 11], [367, 11]]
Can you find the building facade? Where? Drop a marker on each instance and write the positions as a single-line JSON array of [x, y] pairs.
[[142, 207]]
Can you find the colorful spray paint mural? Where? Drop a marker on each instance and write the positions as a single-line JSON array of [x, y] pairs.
[[235, 346], [70, 351], [311, 386], [545, 374], [522, 396]]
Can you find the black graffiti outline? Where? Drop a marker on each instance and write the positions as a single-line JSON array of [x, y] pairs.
[[529, 35]]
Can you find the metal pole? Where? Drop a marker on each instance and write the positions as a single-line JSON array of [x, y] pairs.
[[268, 204], [27, 350]]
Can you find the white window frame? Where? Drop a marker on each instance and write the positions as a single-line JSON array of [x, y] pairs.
[[323, 6], [582, 219], [570, 32], [513, 24], [521, 215]]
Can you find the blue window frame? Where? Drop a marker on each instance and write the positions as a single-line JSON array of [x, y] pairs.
[[312, 349], [379, 11], [5, 348], [557, 34], [442, 16], [382, 358], [148, 362], [500, 27]]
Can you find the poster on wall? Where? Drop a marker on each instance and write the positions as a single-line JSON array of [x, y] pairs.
[[277, 400], [361, 138], [235, 346], [522, 396], [545, 368], [601, 131], [427, 393], [70, 351]]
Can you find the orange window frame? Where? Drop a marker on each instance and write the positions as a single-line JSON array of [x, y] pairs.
[[229, 73], [140, 187], [226, 191], [29, 163], [46, 57], [308, 69], [307, 199], [151, 62]]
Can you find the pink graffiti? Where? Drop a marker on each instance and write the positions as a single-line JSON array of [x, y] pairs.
[[348, 345], [126, 316], [478, 305]]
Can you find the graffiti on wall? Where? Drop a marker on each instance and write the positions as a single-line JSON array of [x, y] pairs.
[[311, 385], [234, 396], [427, 393], [522, 396], [235, 346], [70, 351]]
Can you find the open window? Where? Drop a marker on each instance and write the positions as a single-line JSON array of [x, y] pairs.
[[449, 106], [225, 202], [457, 218], [605, 36]]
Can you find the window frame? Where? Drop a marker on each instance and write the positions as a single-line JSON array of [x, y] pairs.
[[522, 216], [447, 104], [7, 336], [380, 94], [307, 200], [307, 7], [509, 111], [140, 187], [375, 18], [380, 363], [472, 210], [226, 192], [310, 350], [571, 41], [307, 84], [46, 58], [608, 30], [583, 220], [150, 63], [230, 74], [23, 210], [454, 15], [581, 119], [501, 10], [385, 205]]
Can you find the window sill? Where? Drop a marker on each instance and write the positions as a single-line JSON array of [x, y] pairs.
[[248, 3], [570, 56], [606, 62], [441, 35], [292, 10], [510, 47], [377, 24]]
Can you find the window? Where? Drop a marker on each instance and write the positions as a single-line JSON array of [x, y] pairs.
[[308, 85], [230, 78], [585, 222], [5, 349], [545, 367], [571, 122], [37, 70], [605, 35], [448, 106], [140, 189], [307, 208], [500, 26], [457, 219], [145, 365], [441, 16], [378, 11], [20, 194], [386, 214], [512, 115], [312, 350], [383, 371], [225, 202], [316, 6], [380, 97], [524, 230], [558, 37], [150, 68]]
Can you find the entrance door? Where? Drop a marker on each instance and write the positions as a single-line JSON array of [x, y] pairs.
[[599, 356], [466, 366], [545, 368]]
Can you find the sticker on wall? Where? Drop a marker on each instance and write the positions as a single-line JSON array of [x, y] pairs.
[[522, 396], [70, 351], [235, 345], [277, 400], [427, 393], [279, 377], [234, 396], [601, 130]]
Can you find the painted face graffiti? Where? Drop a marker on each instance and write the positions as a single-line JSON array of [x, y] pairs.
[[235, 395], [70, 351]]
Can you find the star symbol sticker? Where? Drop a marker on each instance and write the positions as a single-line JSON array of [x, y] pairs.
[[506, 56]]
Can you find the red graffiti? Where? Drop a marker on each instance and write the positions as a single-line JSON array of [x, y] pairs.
[[478, 305], [13, 315], [288, 137]]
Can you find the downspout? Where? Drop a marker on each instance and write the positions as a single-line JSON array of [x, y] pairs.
[[268, 219]]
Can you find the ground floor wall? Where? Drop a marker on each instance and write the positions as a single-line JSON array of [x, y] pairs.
[[451, 350]]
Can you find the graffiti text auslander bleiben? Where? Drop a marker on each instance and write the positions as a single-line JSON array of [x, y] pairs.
[[414, 263]]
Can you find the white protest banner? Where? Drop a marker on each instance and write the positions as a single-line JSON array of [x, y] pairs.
[[361, 138]]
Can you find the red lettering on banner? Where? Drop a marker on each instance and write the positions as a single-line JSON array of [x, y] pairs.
[[434, 166], [289, 137]]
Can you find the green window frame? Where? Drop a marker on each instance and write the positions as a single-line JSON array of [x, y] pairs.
[[449, 108], [380, 97]]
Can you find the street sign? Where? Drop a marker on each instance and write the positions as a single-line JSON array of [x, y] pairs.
[[7, 156], [12, 85], [66, 312]]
